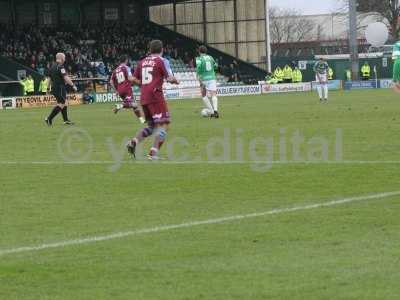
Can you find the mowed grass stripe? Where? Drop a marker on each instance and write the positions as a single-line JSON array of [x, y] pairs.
[[119, 235]]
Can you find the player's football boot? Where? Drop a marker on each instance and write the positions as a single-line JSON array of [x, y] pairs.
[[68, 122], [131, 147], [215, 114], [48, 122], [153, 157]]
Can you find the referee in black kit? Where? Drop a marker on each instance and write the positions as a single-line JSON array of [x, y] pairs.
[[59, 79]]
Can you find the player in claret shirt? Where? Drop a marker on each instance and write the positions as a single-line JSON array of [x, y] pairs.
[[122, 80], [150, 75]]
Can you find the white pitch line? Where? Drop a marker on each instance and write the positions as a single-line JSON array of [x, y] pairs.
[[205, 162], [119, 235]]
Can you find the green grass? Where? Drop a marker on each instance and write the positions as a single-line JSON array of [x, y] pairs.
[[348, 251]]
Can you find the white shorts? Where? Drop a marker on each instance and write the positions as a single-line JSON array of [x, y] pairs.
[[210, 85], [322, 77]]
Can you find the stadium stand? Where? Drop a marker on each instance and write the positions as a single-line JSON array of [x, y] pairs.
[[92, 51], [310, 49]]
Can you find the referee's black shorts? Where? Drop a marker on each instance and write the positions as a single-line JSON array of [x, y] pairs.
[[60, 94]]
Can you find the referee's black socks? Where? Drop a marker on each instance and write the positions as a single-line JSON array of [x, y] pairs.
[[64, 112], [54, 112]]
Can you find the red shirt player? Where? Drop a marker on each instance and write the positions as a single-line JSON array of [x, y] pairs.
[[122, 80], [150, 75]]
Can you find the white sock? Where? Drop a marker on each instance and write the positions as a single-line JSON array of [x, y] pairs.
[[207, 103], [215, 102], [319, 89], [326, 91]]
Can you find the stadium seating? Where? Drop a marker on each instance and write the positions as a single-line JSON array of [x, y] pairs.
[[93, 53], [310, 49]]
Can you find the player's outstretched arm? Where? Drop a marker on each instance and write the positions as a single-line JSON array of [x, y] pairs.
[[173, 80], [215, 65], [130, 78], [318, 77], [68, 81], [316, 73], [198, 65], [49, 86], [112, 83], [135, 81]]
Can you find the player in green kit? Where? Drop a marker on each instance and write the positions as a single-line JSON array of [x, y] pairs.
[[321, 69], [396, 67], [205, 68]]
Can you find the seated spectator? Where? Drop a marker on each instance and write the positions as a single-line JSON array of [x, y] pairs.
[[101, 70], [87, 97], [233, 73]]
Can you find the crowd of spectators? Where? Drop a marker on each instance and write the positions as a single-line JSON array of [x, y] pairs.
[[230, 71], [90, 51], [93, 51]]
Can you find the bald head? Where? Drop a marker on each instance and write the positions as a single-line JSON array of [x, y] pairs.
[[60, 58]]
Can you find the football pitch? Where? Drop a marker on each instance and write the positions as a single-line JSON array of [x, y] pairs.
[[280, 198]]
